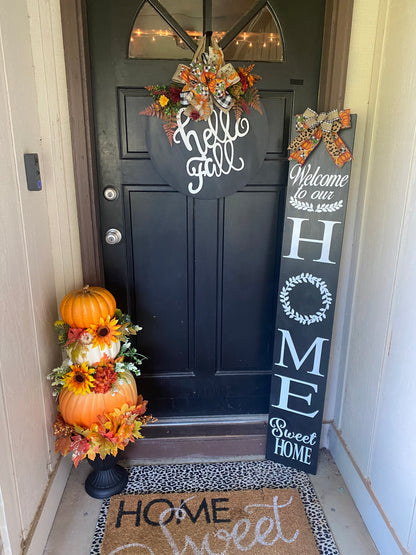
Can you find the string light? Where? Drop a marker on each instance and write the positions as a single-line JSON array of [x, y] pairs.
[[250, 39]]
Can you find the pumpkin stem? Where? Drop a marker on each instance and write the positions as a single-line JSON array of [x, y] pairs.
[[85, 289]]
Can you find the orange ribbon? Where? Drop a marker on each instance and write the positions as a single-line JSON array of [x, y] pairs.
[[312, 127], [206, 80]]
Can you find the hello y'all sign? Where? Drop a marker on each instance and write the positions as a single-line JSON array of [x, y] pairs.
[[311, 251]]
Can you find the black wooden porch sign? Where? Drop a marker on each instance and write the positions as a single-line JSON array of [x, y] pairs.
[[311, 251]]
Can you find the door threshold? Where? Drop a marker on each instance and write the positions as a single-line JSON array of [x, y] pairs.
[[204, 438]]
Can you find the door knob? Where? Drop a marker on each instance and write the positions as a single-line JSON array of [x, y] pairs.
[[113, 236]]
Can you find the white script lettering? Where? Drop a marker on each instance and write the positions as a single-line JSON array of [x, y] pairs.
[[289, 444], [215, 148], [240, 530], [304, 178], [279, 429]]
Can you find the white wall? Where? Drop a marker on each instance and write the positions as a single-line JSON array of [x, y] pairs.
[[373, 400], [39, 252]]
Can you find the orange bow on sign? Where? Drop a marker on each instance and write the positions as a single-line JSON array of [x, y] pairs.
[[312, 127]]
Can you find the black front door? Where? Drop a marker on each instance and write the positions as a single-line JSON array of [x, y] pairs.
[[200, 276]]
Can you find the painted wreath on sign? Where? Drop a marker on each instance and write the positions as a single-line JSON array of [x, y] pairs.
[[306, 319], [309, 206]]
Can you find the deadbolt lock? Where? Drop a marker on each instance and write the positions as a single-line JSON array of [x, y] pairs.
[[111, 193]]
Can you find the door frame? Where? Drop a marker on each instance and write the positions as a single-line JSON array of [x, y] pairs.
[[242, 440]]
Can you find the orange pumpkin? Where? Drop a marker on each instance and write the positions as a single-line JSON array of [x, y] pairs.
[[84, 307], [82, 410]]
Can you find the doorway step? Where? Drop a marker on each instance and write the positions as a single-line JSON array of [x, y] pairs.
[[206, 438]]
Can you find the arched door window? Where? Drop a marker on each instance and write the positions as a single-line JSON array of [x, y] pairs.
[[170, 29]]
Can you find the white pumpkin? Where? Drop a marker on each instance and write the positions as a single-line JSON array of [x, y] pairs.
[[92, 355]]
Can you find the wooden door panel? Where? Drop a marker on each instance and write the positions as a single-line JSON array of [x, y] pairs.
[[251, 244], [158, 231], [132, 129]]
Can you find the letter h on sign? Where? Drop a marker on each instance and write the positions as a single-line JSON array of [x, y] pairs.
[[312, 240], [325, 241]]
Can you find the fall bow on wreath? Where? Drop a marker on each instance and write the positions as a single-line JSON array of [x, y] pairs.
[[207, 82]]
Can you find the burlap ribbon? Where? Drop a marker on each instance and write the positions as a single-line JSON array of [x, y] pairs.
[[312, 127], [206, 81]]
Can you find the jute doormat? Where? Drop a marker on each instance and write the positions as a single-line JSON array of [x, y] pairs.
[[267, 521], [253, 496]]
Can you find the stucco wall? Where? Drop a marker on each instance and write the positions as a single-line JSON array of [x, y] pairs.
[[373, 401], [39, 255]]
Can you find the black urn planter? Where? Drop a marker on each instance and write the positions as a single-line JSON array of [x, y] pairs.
[[107, 478]]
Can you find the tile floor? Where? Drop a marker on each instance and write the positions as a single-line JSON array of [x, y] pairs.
[[75, 520]]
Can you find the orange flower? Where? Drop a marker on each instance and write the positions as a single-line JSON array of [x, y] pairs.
[[105, 332], [105, 375], [163, 100]]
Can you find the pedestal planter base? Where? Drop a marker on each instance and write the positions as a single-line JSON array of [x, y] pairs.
[[107, 478]]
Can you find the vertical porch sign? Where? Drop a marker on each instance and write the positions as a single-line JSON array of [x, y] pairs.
[[318, 183]]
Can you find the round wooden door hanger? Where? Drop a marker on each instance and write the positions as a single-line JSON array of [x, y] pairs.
[[209, 159]]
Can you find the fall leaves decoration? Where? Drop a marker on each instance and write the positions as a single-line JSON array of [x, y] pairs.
[[205, 83], [99, 409], [111, 432], [166, 105], [244, 93]]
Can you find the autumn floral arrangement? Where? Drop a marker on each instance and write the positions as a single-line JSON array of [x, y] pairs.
[[99, 411], [205, 83]]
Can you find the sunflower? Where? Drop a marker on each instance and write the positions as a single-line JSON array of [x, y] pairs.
[[104, 333], [80, 379]]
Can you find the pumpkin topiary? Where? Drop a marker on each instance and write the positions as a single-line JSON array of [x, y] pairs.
[[100, 409], [83, 410], [84, 307]]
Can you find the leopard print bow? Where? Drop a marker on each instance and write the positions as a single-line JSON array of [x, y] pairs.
[[312, 127]]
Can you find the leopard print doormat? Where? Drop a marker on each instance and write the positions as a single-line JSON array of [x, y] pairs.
[[264, 534]]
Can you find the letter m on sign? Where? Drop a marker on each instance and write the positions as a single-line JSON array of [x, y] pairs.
[[315, 347]]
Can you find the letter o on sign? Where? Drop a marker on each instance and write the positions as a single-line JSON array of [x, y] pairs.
[[209, 159]]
